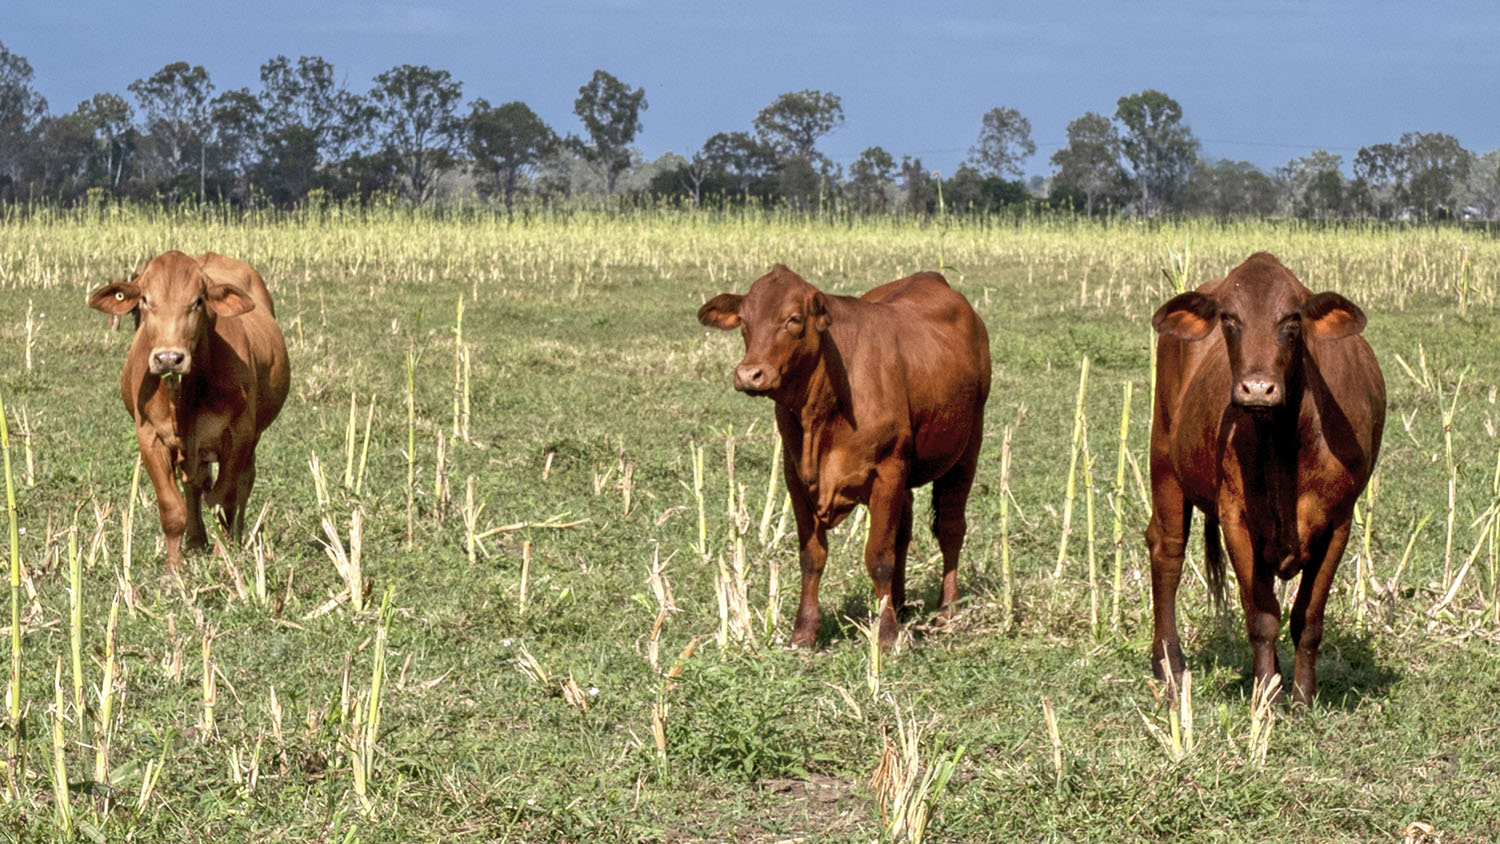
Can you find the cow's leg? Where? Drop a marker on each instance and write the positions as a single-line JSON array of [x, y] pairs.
[[890, 505], [244, 482], [812, 543], [232, 487], [195, 482], [903, 543], [950, 496], [1166, 540], [1307, 608], [1257, 593], [157, 460]]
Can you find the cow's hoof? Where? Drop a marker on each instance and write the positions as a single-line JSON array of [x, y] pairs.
[[173, 576]]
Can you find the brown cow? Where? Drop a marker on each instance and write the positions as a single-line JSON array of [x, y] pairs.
[[206, 373], [874, 396], [1270, 425]]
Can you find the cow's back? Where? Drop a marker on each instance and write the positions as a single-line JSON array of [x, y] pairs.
[[942, 342], [944, 365]]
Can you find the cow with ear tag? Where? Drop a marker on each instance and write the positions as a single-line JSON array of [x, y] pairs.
[[1267, 417], [875, 395], [207, 371]]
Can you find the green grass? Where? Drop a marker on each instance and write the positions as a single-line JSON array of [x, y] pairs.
[[585, 349]]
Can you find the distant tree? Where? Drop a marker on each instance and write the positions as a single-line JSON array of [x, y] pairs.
[[1230, 189], [1313, 185], [1090, 163], [794, 121], [558, 172], [311, 122], [871, 177], [963, 192], [415, 110], [1482, 190], [56, 163], [1324, 196], [21, 108], [740, 158], [507, 142], [239, 122], [1436, 168], [1159, 146], [611, 115], [109, 116], [1380, 176], [365, 175], [1004, 142], [799, 183], [691, 177], [175, 102], [306, 96], [921, 192], [695, 173]]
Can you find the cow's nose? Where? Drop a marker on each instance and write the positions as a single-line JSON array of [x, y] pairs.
[[1259, 391], [169, 360], [749, 376]]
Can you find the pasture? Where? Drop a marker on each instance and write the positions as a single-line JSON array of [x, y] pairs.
[[557, 631]]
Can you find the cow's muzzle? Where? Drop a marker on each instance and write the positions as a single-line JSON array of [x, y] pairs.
[[164, 361], [754, 378], [1259, 392]]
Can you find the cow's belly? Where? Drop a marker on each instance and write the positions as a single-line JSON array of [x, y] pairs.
[[925, 471], [209, 439]]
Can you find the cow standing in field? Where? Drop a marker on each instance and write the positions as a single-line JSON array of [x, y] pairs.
[[1268, 415], [874, 396], [206, 373]]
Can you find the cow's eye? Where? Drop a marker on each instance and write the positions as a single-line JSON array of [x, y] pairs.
[[198, 304], [794, 319], [1231, 324], [1291, 327], [145, 303]]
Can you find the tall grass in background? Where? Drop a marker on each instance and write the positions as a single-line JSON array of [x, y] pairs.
[[1098, 262]]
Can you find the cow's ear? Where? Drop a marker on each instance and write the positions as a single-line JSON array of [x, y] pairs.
[[228, 300], [1332, 317], [1186, 316], [722, 311], [817, 310], [116, 298]]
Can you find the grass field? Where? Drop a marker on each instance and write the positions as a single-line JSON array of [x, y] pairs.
[[577, 673]]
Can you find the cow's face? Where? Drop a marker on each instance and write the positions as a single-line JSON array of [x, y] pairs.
[[782, 319], [1263, 314], [177, 308]]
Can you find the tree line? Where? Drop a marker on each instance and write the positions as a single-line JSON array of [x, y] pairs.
[[174, 137]]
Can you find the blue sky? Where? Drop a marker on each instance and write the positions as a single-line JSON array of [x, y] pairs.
[[1261, 82]]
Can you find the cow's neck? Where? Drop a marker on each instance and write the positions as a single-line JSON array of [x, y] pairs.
[[816, 405], [185, 393], [1273, 471]]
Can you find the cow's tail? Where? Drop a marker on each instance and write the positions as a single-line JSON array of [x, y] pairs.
[[1213, 560]]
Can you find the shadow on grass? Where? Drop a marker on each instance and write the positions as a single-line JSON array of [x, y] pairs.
[[914, 616], [1348, 669]]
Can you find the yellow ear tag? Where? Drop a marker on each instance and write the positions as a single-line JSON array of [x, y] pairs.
[[119, 297]]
